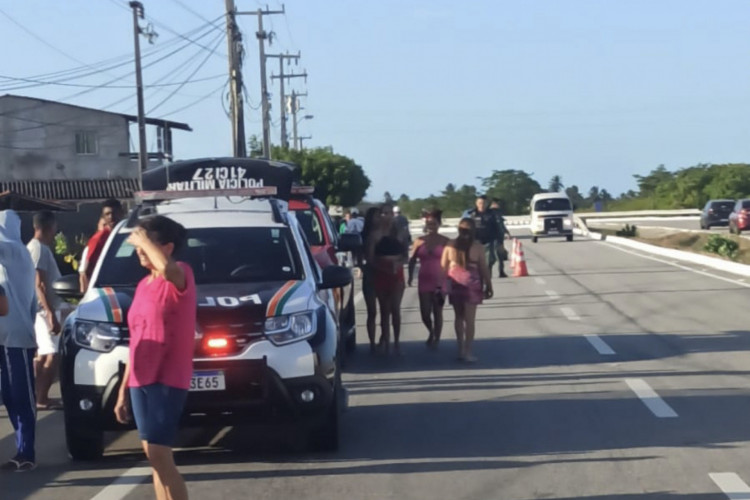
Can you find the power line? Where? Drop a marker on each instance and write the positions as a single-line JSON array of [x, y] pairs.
[[95, 72], [219, 39], [80, 85], [197, 101]]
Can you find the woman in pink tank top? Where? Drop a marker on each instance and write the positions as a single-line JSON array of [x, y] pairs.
[[162, 321], [428, 250]]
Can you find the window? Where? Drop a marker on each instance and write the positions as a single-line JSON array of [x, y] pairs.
[[86, 142], [216, 255], [552, 205], [310, 224]]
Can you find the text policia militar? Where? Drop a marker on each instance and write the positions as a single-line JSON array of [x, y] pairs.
[[205, 178]]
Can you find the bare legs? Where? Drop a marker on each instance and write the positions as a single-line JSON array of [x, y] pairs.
[[45, 367], [168, 483], [390, 314], [431, 309], [465, 327], [371, 302]]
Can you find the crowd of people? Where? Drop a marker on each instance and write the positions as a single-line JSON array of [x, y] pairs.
[[459, 270], [31, 315]]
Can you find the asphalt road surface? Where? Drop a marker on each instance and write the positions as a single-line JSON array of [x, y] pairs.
[[604, 375]]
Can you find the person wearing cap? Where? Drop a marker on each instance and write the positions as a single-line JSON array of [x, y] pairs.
[[402, 223]]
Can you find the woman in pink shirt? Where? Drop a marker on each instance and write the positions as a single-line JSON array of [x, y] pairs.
[[162, 331]]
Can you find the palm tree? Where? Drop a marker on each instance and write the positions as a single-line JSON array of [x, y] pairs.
[[555, 184]]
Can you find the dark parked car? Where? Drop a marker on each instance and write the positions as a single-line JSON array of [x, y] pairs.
[[716, 213], [739, 219]]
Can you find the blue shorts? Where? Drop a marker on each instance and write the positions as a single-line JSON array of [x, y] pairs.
[[157, 409]]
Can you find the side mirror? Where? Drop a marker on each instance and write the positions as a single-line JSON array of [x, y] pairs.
[[68, 287], [349, 242], [336, 277]]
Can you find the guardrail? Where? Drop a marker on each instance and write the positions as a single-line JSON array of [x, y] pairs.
[[519, 220]]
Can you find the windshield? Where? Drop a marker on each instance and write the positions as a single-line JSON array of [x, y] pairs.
[[310, 225], [216, 255], [552, 205]]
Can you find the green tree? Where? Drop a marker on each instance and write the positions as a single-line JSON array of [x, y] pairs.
[[338, 179], [576, 198], [555, 184], [514, 187]]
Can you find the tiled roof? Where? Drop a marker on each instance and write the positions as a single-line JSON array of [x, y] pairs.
[[73, 190]]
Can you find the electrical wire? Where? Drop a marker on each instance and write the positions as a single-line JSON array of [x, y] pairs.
[[197, 101], [219, 39], [110, 86]]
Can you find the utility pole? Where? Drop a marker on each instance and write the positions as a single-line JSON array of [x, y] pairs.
[[295, 107], [281, 77], [142, 147], [262, 36], [234, 43], [301, 139]]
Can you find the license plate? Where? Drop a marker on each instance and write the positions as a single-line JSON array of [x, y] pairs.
[[207, 381], [553, 231]]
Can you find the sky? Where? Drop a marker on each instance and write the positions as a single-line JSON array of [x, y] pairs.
[[423, 93]]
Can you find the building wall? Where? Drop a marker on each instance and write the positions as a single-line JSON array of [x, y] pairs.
[[38, 142]]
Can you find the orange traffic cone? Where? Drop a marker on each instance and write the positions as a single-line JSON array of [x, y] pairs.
[[514, 253], [520, 270]]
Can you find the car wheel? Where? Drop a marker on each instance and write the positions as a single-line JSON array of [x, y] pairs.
[[84, 444], [326, 436], [569, 237], [534, 239]]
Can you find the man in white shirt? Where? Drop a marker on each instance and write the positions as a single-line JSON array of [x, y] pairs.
[[47, 324]]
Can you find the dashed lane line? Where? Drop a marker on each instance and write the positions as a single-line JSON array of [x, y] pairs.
[[601, 346], [540, 281], [552, 294], [650, 398], [570, 314], [123, 485], [731, 484]]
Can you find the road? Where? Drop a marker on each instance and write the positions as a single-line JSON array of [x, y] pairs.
[[605, 375]]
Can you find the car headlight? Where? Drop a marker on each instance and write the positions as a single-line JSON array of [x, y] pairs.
[[567, 222], [102, 337], [291, 327]]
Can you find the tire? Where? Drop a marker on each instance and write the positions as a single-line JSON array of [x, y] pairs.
[[534, 239], [84, 444], [569, 237], [326, 436], [707, 227]]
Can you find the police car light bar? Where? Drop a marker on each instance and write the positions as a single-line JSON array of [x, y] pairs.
[[303, 189], [141, 196]]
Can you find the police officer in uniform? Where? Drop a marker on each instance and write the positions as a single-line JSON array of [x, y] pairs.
[[487, 228]]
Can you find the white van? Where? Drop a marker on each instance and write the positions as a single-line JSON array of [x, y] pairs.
[[551, 215]]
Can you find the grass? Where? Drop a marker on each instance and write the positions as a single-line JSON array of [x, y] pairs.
[[695, 242]]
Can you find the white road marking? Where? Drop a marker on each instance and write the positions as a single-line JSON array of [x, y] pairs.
[[731, 484], [570, 314], [358, 298], [679, 266], [540, 281], [657, 405], [123, 485], [600, 346], [552, 294]]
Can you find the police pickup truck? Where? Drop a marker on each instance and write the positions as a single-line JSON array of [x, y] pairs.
[[311, 214], [266, 346]]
